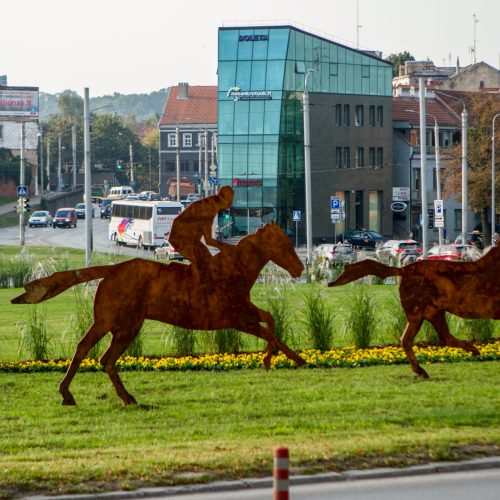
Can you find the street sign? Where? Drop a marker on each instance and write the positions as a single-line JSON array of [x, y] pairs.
[[439, 222], [438, 209], [213, 168], [398, 206], [296, 215], [22, 190], [213, 180], [335, 203], [400, 194]]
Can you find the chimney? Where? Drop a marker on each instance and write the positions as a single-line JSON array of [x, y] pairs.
[[183, 90], [458, 67]]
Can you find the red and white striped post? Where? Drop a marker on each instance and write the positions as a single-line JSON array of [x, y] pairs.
[[281, 474]]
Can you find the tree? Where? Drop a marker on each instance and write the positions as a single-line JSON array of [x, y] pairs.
[[481, 109], [397, 60]]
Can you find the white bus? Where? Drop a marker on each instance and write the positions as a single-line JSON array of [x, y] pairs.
[[142, 223]]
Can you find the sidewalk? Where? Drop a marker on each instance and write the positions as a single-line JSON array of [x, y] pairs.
[[244, 484]]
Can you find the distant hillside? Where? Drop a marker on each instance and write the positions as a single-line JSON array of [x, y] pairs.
[[140, 105]]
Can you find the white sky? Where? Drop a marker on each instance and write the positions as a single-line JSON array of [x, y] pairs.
[[129, 46]]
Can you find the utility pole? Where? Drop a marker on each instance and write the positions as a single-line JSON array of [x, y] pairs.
[[73, 150], [88, 183], [423, 167], [21, 183], [464, 176], [59, 163], [178, 164], [131, 154], [42, 185], [48, 162], [206, 163]]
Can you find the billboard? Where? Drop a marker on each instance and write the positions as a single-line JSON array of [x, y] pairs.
[[18, 102]]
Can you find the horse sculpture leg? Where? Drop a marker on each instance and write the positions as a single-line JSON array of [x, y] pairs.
[[95, 333], [276, 342], [117, 347], [411, 330], [441, 326]]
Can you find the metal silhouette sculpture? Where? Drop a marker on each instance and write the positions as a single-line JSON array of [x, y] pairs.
[[138, 289], [428, 289]]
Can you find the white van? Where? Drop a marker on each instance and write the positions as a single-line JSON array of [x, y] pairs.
[[120, 192]]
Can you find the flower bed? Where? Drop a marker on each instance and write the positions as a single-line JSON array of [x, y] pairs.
[[348, 357]]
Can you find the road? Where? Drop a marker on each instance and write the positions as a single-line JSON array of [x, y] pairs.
[[70, 237], [480, 484]]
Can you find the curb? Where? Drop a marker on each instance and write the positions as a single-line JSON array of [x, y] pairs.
[[256, 483]]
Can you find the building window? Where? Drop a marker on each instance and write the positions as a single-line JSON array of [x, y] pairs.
[[338, 157], [347, 157], [184, 166], [338, 115], [202, 139], [360, 115], [365, 71], [347, 113], [360, 157], [371, 157], [187, 140], [371, 116], [334, 69], [172, 140], [380, 157], [1, 132], [380, 116], [457, 216], [170, 166]]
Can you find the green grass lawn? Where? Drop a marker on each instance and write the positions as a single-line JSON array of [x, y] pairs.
[[199, 426]]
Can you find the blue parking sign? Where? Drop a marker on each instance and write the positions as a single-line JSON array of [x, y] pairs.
[[334, 202]]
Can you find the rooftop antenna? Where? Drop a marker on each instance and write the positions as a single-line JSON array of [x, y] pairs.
[[473, 49], [358, 26]]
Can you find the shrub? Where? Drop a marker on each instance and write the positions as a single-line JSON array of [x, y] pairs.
[[34, 341], [227, 341], [181, 340], [279, 307], [318, 320], [361, 321], [479, 330]]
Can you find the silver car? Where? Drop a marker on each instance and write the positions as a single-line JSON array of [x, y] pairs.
[[167, 251], [40, 218]]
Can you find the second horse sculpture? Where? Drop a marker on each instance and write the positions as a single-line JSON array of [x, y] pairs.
[[139, 289], [429, 289]]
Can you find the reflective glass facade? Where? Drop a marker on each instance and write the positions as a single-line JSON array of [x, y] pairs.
[[260, 123]]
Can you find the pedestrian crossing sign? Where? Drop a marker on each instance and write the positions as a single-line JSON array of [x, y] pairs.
[[22, 190], [296, 216]]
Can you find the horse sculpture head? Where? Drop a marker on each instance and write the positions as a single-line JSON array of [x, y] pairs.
[[279, 249]]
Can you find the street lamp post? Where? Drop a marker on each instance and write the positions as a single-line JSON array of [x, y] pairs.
[[423, 168], [493, 207], [307, 168]]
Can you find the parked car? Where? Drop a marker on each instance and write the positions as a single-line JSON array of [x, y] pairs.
[[106, 208], [361, 239], [403, 250], [334, 252], [167, 251], [40, 218], [64, 217], [466, 253], [475, 238], [80, 211]]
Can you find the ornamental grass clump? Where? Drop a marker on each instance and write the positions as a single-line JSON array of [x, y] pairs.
[[318, 320], [361, 322], [396, 319], [34, 341], [477, 330], [181, 341], [21, 269], [279, 307], [227, 341]]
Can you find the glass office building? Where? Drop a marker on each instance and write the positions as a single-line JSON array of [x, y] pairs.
[[260, 121]]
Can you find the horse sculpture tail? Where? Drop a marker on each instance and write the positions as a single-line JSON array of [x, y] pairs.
[[355, 271], [46, 288]]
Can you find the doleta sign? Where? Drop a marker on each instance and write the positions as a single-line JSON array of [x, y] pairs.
[[238, 95], [253, 38]]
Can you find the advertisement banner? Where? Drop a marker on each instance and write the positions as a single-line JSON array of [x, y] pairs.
[[14, 102]]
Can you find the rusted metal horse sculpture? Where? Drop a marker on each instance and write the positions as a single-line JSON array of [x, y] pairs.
[[428, 289], [138, 289]]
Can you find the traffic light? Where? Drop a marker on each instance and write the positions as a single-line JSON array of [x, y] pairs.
[[26, 205], [119, 165], [19, 206], [226, 214]]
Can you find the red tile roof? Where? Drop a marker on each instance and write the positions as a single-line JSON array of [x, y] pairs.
[[199, 108], [402, 105]]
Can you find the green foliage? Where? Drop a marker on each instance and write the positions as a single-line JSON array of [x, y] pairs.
[[318, 320], [227, 341], [10, 166], [182, 341], [279, 307], [397, 60], [479, 330], [362, 321], [397, 319], [34, 341]]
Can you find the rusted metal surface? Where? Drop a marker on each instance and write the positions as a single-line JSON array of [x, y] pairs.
[[211, 293], [429, 289]]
